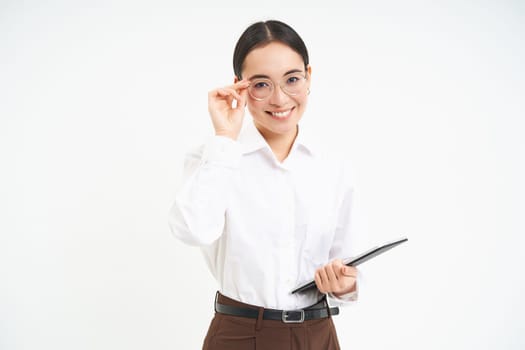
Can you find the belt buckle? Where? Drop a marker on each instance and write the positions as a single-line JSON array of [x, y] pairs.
[[286, 316]]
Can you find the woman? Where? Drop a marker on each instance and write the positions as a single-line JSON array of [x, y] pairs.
[[267, 209]]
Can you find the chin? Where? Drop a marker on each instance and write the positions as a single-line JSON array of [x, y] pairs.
[[283, 128]]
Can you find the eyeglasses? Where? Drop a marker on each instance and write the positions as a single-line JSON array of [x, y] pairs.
[[292, 84]]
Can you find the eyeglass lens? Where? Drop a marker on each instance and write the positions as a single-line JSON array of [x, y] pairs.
[[292, 84]]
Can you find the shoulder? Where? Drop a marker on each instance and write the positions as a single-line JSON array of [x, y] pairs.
[[214, 146], [328, 152], [196, 151], [337, 162]]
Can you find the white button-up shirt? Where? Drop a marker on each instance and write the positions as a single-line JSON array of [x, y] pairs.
[[264, 226]]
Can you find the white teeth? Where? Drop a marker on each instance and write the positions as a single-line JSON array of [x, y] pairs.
[[281, 114]]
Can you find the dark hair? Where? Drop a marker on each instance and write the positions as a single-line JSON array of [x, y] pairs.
[[262, 33]]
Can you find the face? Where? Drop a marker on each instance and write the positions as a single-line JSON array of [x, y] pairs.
[[278, 114]]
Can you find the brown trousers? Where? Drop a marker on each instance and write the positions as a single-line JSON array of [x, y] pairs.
[[228, 332]]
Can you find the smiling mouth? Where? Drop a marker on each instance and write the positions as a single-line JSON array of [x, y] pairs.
[[281, 115]]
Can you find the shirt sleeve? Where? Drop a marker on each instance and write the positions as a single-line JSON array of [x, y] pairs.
[[197, 215], [345, 239]]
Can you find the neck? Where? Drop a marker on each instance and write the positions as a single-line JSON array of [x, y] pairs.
[[281, 144]]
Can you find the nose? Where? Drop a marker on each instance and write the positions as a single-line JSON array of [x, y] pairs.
[[278, 96]]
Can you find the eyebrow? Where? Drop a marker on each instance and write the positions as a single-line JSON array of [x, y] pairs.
[[259, 76]]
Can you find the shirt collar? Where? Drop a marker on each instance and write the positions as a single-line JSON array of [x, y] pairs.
[[251, 139]]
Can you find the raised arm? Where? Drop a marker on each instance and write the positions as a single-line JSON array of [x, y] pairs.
[[198, 212]]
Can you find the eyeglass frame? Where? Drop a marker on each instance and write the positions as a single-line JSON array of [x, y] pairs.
[[272, 85]]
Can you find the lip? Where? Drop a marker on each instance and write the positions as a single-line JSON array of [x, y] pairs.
[[279, 111]]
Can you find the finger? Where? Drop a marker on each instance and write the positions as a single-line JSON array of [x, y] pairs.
[[225, 92], [242, 84], [319, 282], [337, 263], [324, 278], [349, 271], [239, 86], [230, 100], [244, 98], [332, 276]]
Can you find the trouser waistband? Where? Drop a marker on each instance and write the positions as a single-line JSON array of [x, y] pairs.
[[233, 307]]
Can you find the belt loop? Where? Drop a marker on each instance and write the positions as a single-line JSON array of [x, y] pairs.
[[215, 302], [259, 323]]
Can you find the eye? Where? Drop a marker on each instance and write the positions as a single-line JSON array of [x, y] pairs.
[[293, 80], [260, 85]]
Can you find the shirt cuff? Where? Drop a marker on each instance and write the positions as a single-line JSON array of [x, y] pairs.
[[348, 297], [222, 150]]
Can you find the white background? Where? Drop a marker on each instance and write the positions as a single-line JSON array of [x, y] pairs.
[[99, 101]]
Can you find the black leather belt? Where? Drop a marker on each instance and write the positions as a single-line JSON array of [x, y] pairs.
[[287, 316]]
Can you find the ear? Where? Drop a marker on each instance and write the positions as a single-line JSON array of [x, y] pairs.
[[309, 75], [235, 80]]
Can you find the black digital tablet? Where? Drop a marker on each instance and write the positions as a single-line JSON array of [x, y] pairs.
[[369, 254]]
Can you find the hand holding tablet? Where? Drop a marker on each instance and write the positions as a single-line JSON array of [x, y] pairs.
[[369, 254]]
